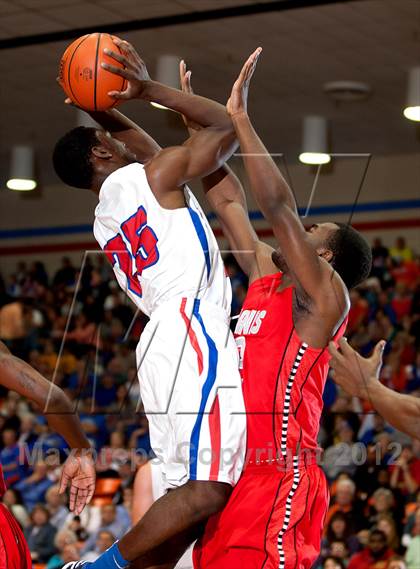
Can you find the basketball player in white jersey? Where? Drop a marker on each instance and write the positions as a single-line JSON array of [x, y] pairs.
[[166, 258]]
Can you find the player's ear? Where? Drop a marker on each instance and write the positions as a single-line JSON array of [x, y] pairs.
[[326, 254], [101, 152]]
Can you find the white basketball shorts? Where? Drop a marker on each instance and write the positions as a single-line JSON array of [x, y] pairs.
[[191, 390]]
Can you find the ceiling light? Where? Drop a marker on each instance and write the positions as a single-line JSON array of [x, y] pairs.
[[22, 176], [315, 141], [167, 72], [412, 110], [347, 91]]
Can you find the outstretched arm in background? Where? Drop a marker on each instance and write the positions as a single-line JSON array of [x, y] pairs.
[[78, 469], [359, 377]]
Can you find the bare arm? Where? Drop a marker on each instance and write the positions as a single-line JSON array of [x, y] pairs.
[[18, 376], [226, 197], [313, 276], [360, 377], [204, 151], [124, 129]]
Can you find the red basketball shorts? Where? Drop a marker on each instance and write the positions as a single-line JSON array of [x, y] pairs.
[[273, 520], [14, 552]]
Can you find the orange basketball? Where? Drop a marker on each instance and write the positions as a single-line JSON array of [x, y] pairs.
[[82, 77]]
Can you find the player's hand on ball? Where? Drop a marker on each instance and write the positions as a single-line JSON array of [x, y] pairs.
[[353, 372], [135, 71], [238, 99], [79, 472]]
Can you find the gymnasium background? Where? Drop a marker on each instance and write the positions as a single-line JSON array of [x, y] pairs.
[[372, 179]]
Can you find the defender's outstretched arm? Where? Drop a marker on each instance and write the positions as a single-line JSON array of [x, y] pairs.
[[312, 274], [226, 197]]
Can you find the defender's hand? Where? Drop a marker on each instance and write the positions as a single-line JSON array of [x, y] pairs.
[[238, 100], [79, 472], [185, 82], [351, 371], [134, 71]]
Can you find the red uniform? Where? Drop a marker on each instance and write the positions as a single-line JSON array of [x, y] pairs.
[[275, 515], [14, 552]]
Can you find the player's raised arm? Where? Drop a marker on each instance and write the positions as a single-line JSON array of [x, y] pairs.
[[312, 274], [226, 197], [78, 470], [204, 151], [359, 377]]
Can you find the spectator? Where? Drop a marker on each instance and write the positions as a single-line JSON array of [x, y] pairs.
[[12, 499], [375, 555], [40, 535], [345, 501], [34, 487], [400, 252], [10, 457], [338, 530], [110, 523], [382, 503], [387, 524], [66, 275], [339, 457], [333, 563], [56, 506], [63, 538], [104, 541], [379, 257], [28, 435], [396, 562], [405, 474]]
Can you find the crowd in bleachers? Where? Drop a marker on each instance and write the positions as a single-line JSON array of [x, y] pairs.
[[374, 472]]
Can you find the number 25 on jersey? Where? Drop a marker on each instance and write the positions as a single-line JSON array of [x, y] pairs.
[[143, 244]]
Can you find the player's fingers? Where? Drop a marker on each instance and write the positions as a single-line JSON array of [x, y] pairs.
[[252, 63], [91, 492], [126, 48], [182, 69], [63, 483], [73, 497], [80, 502], [118, 57], [249, 65], [378, 351], [122, 44], [188, 82], [123, 95], [126, 73], [334, 353], [345, 347]]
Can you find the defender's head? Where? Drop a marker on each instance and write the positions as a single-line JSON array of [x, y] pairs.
[[85, 156], [343, 247]]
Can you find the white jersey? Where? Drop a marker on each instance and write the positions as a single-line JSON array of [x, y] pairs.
[[158, 254]]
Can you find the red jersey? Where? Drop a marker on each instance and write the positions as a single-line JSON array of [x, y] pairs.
[[283, 377], [276, 512]]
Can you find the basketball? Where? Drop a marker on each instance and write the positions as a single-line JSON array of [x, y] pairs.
[[82, 76]]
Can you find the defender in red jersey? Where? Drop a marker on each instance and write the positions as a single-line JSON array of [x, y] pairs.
[[275, 514], [78, 469]]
